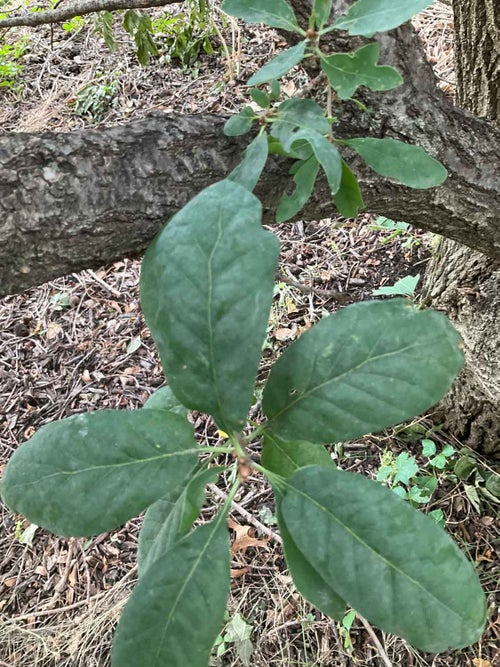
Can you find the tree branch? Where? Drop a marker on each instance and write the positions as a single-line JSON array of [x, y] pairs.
[[79, 8], [81, 199]]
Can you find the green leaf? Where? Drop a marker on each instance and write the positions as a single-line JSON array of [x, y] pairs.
[[260, 97], [428, 447], [406, 468], [389, 561], [326, 154], [177, 608], [405, 163], [302, 122], [160, 528], [362, 369], [321, 12], [206, 290], [275, 90], [92, 472], [240, 123], [279, 65], [164, 399], [285, 457], [305, 178], [277, 14], [298, 114], [403, 287], [248, 172], [464, 468], [347, 71], [308, 581], [366, 17], [348, 199], [170, 518]]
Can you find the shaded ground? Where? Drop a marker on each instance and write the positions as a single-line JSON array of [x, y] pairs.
[[80, 343]]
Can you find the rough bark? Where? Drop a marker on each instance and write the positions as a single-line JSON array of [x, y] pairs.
[[76, 200], [477, 56], [464, 283]]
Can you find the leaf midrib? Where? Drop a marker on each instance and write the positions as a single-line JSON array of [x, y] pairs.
[[113, 466]]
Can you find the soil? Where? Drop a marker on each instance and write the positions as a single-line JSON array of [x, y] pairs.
[[80, 343]]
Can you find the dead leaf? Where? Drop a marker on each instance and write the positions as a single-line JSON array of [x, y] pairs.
[[245, 538], [86, 376], [53, 330], [240, 572], [479, 662], [284, 334]]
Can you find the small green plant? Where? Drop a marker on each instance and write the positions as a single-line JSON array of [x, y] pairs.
[[10, 64], [207, 285], [60, 301], [237, 633], [183, 36], [345, 628], [93, 100], [74, 24], [411, 482], [397, 229], [403, 287]]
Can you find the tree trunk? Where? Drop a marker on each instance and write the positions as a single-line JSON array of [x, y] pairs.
[[464, 283]]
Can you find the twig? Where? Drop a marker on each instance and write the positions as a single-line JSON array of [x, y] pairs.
[[246, 515], [326, 294], [69, 607], [376, 641], [79, 8], [61, 584], [103, 284]]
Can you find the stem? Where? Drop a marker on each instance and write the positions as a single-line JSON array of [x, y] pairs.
[[275, 479], [256, 433], [238, 444], [217, 450], [226, 508]]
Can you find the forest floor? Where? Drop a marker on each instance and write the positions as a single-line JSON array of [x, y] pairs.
[[80, 343]]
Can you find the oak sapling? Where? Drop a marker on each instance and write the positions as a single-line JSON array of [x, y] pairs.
[[207, 284]]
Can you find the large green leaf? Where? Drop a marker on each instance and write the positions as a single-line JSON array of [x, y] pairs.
[[408, 164], [366, 17], [172, 517], [280, 65], [206, 291], [285, 458], [347, 71], [305, 178], [368, 366], [177, 608], [92, 472], [348, 199], [390, 562], [248, 172], [308, 581], [277, 14], [322, 10], [164, 399]]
